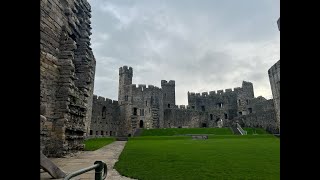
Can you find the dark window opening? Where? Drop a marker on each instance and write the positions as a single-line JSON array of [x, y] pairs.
[[104, 110], [225, 116], [240, 113], [250, 110], [135, 111], [179, 127], [97, 133], [204, 124], [91, 132], [165, 95], [218, 119], [149, 110], [141, 124], [102, 133], [146, 103], [141, 112], [247, 101], [129, 135], [211, 117], [110, 133], [239, 102], [126, 98], [192, 107], [203, 108], [168, 105]]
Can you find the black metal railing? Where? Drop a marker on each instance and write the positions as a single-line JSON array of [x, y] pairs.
[[100, 168]]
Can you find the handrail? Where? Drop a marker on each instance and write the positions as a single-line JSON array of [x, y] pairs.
[[243, 132], [98, 167]]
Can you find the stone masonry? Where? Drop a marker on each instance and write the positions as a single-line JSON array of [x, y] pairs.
[[149, 106], [67, 74], [105, 117], [274, 77]]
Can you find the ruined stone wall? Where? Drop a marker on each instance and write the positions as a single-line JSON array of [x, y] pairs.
[[147, 101], [264, 119], [233, 103], [190, 118], [67, 71], [244, 96], [274, 77], [263, 115], [105, 117]]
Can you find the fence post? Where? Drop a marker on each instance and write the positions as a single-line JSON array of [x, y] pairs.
[[98, 170]]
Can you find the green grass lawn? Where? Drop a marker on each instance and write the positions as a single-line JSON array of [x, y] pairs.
[[219, 157], [96, 143], [251, 131], [181, 131]]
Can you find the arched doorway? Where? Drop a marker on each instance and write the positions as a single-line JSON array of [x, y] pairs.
[[141, 124]]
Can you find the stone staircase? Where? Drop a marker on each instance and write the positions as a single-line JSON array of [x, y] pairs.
[[235, 131], [137, 132]]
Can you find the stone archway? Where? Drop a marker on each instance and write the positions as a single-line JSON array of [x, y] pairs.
[[141, 124]]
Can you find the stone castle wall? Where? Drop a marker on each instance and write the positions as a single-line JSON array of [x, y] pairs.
[[67, 67], [263, 116], [233, 103], [274, 77], [105, 117], [190, 118]]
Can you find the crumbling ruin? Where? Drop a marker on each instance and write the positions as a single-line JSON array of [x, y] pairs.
[[149, 106], [67, 74], [70, 112]]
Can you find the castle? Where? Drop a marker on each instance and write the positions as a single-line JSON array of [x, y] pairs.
[[70, 112], [153, 107]]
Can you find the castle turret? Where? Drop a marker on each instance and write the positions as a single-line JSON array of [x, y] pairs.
[[247, 88], [125, 79], [169, 94]]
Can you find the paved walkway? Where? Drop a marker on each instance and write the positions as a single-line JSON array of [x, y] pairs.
[[109, 154]]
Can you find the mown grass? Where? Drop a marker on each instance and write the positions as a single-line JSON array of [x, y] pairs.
[[182, 131], [219, 157], [97, 143]]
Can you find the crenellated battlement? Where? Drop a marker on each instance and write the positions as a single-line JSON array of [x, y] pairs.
[[125, 70], [144, 87], [165, 83], [104, 100], [245, 84]]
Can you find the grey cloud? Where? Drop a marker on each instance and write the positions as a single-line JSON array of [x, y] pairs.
[[202, 45]]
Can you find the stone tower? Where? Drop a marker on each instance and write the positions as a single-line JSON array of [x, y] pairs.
[[125, 80], [169, 95], [248, 89], [125, 99]]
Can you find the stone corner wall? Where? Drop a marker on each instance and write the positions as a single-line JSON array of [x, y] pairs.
[[67, 68]]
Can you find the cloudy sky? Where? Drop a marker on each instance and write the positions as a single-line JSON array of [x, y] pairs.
[[203, 45]]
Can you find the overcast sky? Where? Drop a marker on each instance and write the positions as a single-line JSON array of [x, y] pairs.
[[203, 45]]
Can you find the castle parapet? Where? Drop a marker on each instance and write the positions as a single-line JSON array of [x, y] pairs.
[[165, 83], [125, 70]]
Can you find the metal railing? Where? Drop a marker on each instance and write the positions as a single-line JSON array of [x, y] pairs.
[[99, 167], [243, 132]]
